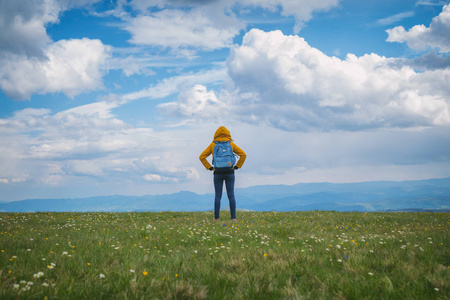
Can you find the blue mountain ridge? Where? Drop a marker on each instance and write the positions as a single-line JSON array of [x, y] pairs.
[[421, 195]]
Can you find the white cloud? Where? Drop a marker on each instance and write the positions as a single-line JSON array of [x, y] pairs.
[[102, 110], [421, 37], [195, 102], [69, 66], [282, 81], [12, 180], [176, 28], [131, 66], [153, 177], [173, 85], [174, 176], [30, 112]]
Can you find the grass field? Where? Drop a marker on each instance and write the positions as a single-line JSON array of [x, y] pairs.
[[265, 255]]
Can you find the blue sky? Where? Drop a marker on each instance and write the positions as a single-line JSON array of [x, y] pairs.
[[121, 97]]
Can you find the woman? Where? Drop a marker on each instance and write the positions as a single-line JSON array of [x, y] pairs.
[[223, 174]]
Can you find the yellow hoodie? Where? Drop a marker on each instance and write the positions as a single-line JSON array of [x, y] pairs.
[[222, 135]]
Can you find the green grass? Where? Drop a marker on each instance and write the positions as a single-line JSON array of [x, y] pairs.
[[265, 255]]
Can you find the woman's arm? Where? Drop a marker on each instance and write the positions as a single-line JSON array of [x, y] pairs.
[[239, 152], [203, 157]]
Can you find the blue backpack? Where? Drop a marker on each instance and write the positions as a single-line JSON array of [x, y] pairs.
[[223, 157]]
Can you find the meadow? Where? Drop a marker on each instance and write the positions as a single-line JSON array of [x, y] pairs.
[[188, 255]]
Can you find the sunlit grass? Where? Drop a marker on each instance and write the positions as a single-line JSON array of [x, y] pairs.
[[295, 255]]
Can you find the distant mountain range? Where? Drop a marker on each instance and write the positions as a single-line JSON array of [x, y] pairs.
[[422, 195]]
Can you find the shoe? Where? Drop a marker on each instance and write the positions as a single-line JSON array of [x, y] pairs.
[[234, 220], [216, 219]]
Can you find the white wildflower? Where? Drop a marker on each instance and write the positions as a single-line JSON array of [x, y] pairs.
[[38, 275], [101, 276]]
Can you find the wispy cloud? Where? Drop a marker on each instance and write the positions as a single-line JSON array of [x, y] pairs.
[[394, 19], [432, 3]]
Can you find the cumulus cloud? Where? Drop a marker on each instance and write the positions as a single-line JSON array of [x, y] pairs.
[[282, 81], [69, 66], [22, 23], [421, 37], [30, 62], [194, 102], [430, 61]]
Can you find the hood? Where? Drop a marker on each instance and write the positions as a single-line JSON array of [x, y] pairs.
[[222, 135]]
